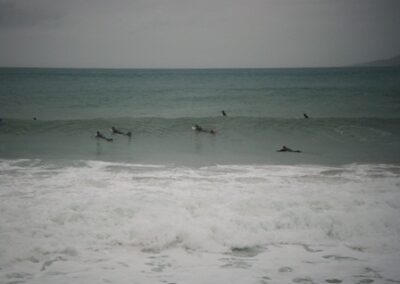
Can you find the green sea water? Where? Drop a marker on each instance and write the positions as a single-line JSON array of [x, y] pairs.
[[354, 115]]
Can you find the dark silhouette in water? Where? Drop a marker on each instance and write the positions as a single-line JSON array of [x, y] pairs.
[[34, 118], [101, 136], [305, 115], [116, 131], [287, 149], [223, 113], [198, 128]]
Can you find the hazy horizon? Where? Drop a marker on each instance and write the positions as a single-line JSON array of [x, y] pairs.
[[191, 34]]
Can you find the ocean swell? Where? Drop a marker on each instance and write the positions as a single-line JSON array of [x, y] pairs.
[[243, 140]]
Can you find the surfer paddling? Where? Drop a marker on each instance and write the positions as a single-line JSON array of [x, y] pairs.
[[101, 136], [287, 149], [198, 128], [117, 131]]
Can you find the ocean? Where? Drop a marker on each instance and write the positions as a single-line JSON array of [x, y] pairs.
[[168, 204]]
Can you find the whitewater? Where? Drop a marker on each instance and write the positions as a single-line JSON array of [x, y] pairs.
[[102, 222], [171, 205]]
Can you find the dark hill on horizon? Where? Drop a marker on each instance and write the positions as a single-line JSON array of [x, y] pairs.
[[393, 61]]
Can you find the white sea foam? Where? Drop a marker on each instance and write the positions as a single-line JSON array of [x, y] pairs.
[[92, 222]]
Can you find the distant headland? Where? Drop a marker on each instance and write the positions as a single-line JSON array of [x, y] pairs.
[[393, 61]]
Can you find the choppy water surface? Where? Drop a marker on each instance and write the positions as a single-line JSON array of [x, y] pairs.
[[115, 222]]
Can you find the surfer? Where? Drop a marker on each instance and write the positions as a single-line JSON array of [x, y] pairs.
[[116, 131], [223, 113], [198, 128], [287, 149], [101, 136], [305, 115]]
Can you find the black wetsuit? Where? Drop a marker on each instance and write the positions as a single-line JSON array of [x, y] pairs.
[[116, 131], [286, 149], [101, 136]]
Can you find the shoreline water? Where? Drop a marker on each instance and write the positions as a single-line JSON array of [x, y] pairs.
[[91, 221]]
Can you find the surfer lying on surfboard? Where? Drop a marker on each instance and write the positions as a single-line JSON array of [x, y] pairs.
[[101, 136], [116, 131], [287, 149], [198, 128]]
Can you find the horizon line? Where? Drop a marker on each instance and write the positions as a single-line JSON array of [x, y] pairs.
[[189, 68]]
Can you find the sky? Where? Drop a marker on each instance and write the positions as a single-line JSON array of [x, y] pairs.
[[197, 33]]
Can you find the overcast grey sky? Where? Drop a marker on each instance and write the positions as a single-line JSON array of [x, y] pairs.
[[197, 33]]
